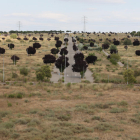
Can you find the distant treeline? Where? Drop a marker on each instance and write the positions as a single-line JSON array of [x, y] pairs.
[[26, 32]]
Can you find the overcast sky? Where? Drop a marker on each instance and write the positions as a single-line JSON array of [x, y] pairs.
[[102, 15]]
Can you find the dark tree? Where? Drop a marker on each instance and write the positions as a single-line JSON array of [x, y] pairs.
[[25, 38], [41, 38], [36, 45], [63, 51], [3, 38], [56, 38], [34, 38], [108, 57], [48, 39], [116, 42], [78, 56], [126, 47], [49, 59], [66, 39], [100, 39], [85, 47], [80, 66], [31, 50], [136, 43], [14, 58], [61, 63], [91, 59], [18, 38], [91, 44], [2, 50], [137, 52], [105, 46], [113, 51], [75, 47], [57, 45], [59, 42], [11, 46], [54, 51]]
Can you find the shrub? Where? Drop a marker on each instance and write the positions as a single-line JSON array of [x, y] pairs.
[[24, 71], [8, 40], [14, 75], [14, 36], [46, 70], [68, 84], [106, 42], [136, 73], [129, 76], [9, 104], [40, 75], [113, 47], [114, 58], [127, 42], [118, 110]]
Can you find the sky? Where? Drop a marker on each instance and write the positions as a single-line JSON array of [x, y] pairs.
[[101, 15]]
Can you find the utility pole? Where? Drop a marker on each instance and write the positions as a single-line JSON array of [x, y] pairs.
[[3, 68]]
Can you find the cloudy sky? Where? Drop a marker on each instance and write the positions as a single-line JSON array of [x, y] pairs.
[[102, 15]]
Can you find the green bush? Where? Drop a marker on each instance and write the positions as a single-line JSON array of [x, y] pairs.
[[106, 42], [13, 36], [114, 58], [127, 42], [43, 72], [14, 75], [46, 70], [136, 73], [113, 47], [68, 84], [8, 40], [91, 54], [40, 75], [24, 71], [129, 76]]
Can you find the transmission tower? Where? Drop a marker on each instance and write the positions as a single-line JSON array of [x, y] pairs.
[[85, 23], [19, 25]]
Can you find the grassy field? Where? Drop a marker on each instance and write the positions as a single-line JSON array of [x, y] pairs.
[[32, 63], [104, 70], [73, 112], [82, 111]]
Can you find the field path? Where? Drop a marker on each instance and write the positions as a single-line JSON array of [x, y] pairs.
[[120, 64]]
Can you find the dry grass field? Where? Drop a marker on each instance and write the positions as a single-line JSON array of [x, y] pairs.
[[74, 112], [78, 111], [104, 69], [32, 63]]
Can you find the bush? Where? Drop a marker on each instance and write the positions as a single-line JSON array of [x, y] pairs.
[[40, 75], [106, 42], [24, 71], [14, 36], [8, 40], [127, 42], [43, 72], [68, 84], [129, 75], [136, 73], [14, 75], [114, 58], [113, 47]]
